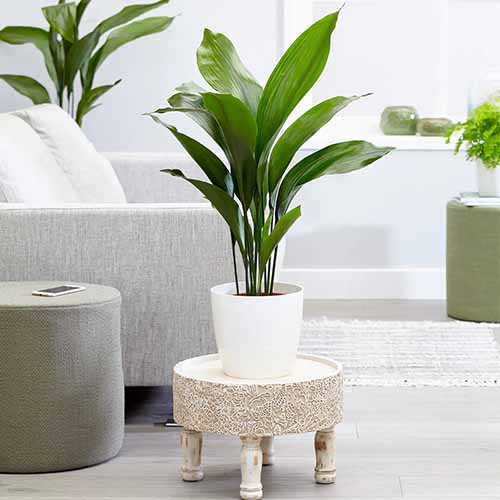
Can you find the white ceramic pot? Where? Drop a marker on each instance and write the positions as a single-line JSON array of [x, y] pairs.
[[257, 337], [488, 180]]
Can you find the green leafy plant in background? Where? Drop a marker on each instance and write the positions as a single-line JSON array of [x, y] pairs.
[[255, 193], [481, 134], [70, 57]]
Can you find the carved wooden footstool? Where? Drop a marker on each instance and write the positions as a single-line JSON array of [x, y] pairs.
[[207, 400]]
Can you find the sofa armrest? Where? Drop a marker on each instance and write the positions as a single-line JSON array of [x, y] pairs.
[[163, 258], [141, 178]]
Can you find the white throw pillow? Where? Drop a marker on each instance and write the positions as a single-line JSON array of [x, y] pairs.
[[90, 173], [28, 172]]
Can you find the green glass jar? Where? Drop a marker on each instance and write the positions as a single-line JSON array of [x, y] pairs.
[[434, 127], [399, 120]]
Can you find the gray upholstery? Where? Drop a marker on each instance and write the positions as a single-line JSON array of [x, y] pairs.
[[61, 378], [140, 176], [163, 258]]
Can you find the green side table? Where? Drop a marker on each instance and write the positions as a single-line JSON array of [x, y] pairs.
[[473, 262]]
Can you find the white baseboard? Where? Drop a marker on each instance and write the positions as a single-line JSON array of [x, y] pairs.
[[397, 283]]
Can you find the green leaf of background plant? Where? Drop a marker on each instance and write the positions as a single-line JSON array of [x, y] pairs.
[[28, 87], [210, 163], [222, 202], [80, 10], [128, 14], [20, 35], [271, 242], [299, 132], [240, 136], [338, 158], [62, 18], [89, 100], [59, 58], [293, 77], [124, 35], [78, 55], [223, 70]]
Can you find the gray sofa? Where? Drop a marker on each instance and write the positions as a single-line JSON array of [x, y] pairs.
[[163, 251]]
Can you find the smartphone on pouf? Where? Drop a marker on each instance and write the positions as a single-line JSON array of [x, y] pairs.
[[57, 291]]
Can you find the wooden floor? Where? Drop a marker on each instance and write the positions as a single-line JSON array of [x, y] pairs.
[[432, 443]]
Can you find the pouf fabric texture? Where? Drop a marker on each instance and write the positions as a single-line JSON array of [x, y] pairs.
[[473, 262], [61, 378]]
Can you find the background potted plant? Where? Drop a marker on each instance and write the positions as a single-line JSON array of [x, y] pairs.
[[481, 135], [257, 321], [71, 58]]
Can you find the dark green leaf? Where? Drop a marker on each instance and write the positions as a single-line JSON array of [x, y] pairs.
[[192, 106], [80, 10], [295, 74], [128, 14], [89, 99], [28, 87], [210, 163], [19, 35], [239, 130], [299, 132], [223, 203], [223, 70], [127, 34], [62, 19], [338, 158], [271, 242]]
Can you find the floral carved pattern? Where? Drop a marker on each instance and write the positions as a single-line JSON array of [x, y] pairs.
[[260, 409]]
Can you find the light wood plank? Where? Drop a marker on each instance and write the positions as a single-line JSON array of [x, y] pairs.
[[449, 485]]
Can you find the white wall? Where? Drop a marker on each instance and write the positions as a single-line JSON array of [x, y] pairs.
[[376, 233]]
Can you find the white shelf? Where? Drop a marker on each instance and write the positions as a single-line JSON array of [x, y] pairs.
[[347, 128]]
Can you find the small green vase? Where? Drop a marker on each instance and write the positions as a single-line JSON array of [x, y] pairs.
[[399, 120], [434, 127]]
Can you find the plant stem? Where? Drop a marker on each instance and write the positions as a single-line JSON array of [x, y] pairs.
[[250, 254], [271, 285], [247, 285], [235, 265]]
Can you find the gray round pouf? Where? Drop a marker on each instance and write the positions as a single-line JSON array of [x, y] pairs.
[[61, 378]]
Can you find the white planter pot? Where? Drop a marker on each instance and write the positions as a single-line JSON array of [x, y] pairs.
[[488, 180], [257, 337]]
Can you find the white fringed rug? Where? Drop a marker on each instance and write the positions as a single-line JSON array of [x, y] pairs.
[[408, 353]]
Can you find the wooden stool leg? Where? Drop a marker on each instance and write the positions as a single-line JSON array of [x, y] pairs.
[[324, 444], [267, 445], [191, 443], [251, 468]]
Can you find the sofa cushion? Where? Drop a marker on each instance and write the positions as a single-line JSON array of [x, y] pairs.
[[28, 172], [91, 175]]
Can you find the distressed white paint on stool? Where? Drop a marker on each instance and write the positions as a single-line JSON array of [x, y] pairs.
[[324, 444], [267, 445], [251, 468], [191, 443]]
